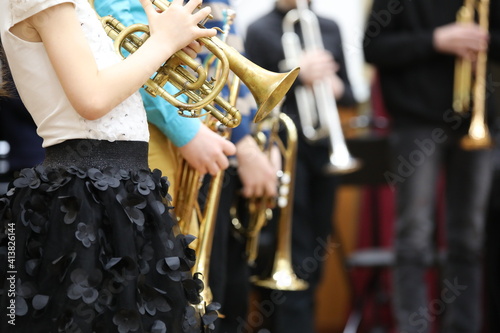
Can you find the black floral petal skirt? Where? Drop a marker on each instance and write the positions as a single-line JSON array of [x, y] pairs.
[[88, 244]]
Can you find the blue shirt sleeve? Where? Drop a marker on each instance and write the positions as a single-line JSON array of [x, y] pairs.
[[179, 130]]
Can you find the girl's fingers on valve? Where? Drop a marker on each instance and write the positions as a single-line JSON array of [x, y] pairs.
[[177, 2], [190, 51], [202, 13], [148, 6], [191, 5], [195, 46]]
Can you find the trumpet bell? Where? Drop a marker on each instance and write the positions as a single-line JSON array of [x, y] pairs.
[[343, 167], [341, 161], [278, 85], [268, 88], [282, 278], [478, 138]]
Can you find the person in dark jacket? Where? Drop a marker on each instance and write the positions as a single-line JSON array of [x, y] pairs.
[[314, 196], [414, 45]]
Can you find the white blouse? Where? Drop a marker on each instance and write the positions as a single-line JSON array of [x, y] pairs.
[[41, 91]]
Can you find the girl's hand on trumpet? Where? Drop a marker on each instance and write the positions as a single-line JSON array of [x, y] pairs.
[[177, 27], [193, 49]]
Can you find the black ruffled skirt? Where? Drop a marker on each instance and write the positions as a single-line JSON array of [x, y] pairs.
[[88, 244]]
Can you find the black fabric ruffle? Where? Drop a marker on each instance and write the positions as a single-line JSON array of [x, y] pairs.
[[96, 250]]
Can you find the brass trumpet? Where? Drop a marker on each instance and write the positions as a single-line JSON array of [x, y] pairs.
[[260, 210], [268, 88], [478, 136], [282, 276]]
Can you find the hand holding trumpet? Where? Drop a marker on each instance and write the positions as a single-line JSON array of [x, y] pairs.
[[177, 27], [464, 40], [208, 158], [257, 170], [319, 65]]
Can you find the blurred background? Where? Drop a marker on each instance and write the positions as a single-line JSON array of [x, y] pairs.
[[355, 293]]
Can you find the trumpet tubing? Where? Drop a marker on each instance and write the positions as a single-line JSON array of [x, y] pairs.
[[200, 91], [260, 208], [207, 229], [259, 216], [193, 218], [463, 67], [235, 82]]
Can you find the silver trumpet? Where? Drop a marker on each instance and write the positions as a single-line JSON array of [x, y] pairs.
[[318, 112]]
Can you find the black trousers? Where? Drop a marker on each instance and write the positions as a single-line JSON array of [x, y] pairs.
[[492, 266]]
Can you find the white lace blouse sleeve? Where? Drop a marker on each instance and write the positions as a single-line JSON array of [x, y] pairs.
[[22, 9]]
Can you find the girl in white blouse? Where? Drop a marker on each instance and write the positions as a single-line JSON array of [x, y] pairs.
[[87, 241]]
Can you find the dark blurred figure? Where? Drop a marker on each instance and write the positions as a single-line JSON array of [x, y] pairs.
[[414, 46], [492, 266]]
